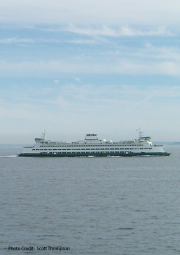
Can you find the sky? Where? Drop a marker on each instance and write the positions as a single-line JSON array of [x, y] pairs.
[[89, 66]]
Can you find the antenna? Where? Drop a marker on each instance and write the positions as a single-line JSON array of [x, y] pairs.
[[44, 135], [140, 132]]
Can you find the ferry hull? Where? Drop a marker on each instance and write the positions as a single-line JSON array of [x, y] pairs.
[[121, 154]]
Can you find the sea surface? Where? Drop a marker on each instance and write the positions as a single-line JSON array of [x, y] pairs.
[[113, 205]]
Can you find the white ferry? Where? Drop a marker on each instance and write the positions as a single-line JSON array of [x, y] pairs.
[[92, 146]]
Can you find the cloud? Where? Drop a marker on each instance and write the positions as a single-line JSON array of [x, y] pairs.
[[83, 41], [90, 12], [15, 40], [157, 52], [77, 79], [45, 41], [122, 66], [119, 32]]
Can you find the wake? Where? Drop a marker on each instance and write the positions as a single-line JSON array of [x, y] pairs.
[[8, 156]]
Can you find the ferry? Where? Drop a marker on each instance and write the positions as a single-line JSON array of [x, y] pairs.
[[92, 146]]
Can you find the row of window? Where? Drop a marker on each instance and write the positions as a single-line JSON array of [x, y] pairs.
[[92, 149], [89, 145]]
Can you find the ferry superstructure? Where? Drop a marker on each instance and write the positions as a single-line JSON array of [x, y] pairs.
[[93, 146]]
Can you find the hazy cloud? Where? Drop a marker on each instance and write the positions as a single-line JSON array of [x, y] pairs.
[[90, 12], [123, 31], [124, 66], [16, 40]]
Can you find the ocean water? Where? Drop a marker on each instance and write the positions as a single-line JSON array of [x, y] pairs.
[[114, 205]]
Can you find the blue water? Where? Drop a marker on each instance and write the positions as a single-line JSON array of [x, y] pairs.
[[123, 206]]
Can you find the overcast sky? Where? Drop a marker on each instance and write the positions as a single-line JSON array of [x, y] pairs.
[[89, 66]]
